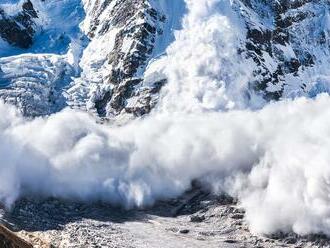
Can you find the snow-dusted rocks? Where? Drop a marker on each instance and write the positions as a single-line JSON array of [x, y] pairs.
[[104, 48], [138, 26], [107, 54], [124, 38], [288, 41], [18, 28]]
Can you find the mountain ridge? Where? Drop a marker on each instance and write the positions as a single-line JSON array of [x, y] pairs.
[[117, 41]]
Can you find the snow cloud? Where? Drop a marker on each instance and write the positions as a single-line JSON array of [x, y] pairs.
[[275, 160]]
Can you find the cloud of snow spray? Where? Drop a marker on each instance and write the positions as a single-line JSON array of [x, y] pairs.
[[275, 160]]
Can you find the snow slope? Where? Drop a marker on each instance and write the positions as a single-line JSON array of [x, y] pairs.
[[35, 78]]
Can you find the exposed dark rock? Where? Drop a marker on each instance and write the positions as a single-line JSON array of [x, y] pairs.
[[9, 239], [290, 240], [184, 231], [197, 218], [230, 241], [263, 40], [139, 24], [237, 216], [19, 30]]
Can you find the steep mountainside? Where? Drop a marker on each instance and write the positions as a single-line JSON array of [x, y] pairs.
[[124, 36], [288, 41], [99, 66], [18, 29]]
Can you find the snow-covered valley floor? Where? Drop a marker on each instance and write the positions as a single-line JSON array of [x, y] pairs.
[[196, 219]]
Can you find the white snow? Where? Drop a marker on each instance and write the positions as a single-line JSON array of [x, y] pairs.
[[33, 78], [174, 11], [275, 159]]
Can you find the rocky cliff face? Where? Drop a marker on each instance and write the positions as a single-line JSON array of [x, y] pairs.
[[134, 27], [101, 69], [19, 29], [288, 41]]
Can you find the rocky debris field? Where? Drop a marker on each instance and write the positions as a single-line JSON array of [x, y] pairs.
[[197, 219]]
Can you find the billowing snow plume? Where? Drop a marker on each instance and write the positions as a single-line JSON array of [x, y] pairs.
[[204, 69], [275, 160]]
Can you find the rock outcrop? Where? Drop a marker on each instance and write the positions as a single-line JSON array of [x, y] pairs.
[[138, 23], [9, 239], [288, 42], [19, 29], [126, 34]]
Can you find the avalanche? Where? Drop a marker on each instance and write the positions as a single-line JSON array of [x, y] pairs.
[[208, 124]]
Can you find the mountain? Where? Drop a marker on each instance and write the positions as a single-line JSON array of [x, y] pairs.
[[97, 66], [288, 41], [124, 36], [18, 29], [93, 55]]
